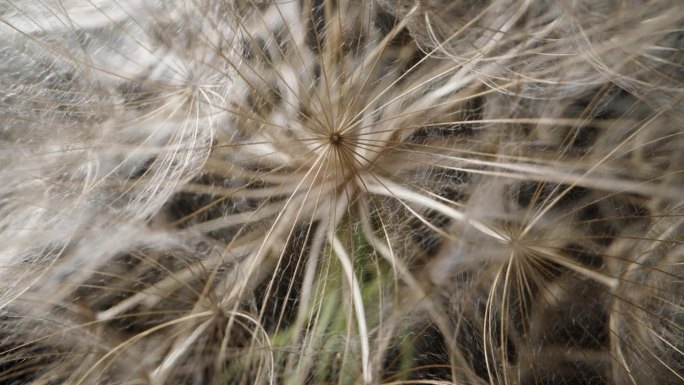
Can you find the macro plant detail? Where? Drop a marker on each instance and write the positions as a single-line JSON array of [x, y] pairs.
[[375, 192]]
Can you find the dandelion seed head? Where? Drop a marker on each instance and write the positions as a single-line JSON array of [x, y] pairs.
[[248, 192]]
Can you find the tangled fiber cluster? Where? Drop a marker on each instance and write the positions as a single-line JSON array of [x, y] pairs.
[[341, 192]]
